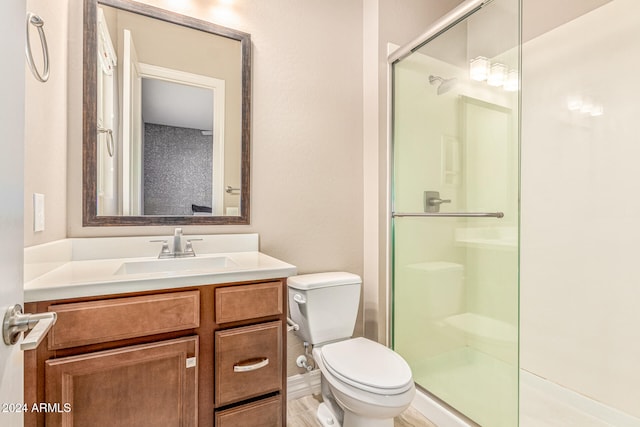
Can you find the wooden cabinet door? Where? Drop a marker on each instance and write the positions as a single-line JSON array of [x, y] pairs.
[[143, 385]]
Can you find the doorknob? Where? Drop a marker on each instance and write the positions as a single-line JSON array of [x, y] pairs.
[[16, 322]]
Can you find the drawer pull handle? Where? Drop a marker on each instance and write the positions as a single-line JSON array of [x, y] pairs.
[[250, 365]]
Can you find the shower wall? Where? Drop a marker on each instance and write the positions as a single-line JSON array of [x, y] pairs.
[[580, 209]]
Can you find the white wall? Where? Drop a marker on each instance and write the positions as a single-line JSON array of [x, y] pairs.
[[46, 126], [580, 210]]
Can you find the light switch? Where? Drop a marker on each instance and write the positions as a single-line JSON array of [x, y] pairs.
[[38, 212]]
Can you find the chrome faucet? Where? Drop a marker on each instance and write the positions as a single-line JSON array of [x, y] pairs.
[[179, 250], [177, 241]]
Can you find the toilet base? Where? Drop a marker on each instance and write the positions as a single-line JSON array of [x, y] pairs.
[[354, 420], [326, 417]]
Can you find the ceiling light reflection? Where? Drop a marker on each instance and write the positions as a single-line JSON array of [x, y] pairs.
[[479, 69]]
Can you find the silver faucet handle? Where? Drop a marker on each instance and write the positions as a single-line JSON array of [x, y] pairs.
[[165, 246], [188, 248]]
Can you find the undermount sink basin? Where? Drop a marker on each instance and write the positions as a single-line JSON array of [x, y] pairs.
[[176, 265]]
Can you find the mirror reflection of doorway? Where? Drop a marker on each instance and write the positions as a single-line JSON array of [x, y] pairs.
[[177, 148], [173, 144]]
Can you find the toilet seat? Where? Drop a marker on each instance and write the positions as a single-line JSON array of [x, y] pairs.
[[367, 365]]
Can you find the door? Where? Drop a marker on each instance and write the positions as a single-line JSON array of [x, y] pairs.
[[131, 129], [12, 24], [455, 215], [107, 121]]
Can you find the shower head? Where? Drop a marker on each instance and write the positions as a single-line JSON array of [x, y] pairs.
[[444, 85]]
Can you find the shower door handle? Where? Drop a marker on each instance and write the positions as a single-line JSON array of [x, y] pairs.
[[450, 214], [432, 201]]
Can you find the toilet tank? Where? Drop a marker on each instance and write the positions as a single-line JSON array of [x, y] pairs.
[[324, 305]]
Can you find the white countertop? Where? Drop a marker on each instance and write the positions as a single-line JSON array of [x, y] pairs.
[[51, 276]]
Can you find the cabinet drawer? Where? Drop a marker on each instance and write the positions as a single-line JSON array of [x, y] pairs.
[[243, 302], [248, 362], [263, 413], [94, 322]]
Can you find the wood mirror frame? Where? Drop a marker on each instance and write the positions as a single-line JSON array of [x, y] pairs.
[[89, 150]]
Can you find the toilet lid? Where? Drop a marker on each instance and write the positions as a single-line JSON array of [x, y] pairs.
[[366, 364]]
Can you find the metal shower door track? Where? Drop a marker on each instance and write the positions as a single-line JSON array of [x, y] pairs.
[[441, 25]]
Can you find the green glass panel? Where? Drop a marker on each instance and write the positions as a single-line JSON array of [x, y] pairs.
[[455, 280]]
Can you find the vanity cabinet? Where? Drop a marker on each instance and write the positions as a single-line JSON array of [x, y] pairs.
[[211, 355]]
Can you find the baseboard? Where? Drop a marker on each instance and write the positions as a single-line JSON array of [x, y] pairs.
[[436, 412], [579, 402], [303, 384]]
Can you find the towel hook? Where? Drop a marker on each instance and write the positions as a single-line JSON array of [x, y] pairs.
[[37, 22]]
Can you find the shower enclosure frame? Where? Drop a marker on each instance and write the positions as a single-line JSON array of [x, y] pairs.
[[457, 15], [449, 20]]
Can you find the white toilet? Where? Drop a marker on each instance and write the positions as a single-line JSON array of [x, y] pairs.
[[364, 384]]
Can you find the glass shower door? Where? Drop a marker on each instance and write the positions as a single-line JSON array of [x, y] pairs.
[[455, 214]]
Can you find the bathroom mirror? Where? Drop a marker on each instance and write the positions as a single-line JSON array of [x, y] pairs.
[[166, 124]]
